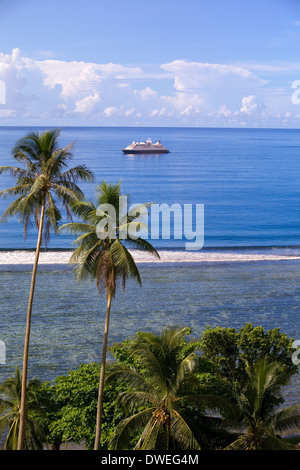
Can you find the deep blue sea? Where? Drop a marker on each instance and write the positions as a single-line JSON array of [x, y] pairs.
[[249, 183], [247, 179]]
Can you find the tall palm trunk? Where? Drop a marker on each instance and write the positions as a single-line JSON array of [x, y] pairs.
[[27, 335], [102, 376]]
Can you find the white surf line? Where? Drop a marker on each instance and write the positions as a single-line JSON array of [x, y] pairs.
[[62, 257]]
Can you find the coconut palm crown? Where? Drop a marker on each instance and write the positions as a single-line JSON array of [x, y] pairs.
[[106, 259], [10, 400], [159, 393], [258, 416], [45, 180]]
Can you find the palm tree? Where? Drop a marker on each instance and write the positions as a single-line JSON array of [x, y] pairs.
[[106, 259], [257, 409], [46, 176], [10, 414], [163, 393]]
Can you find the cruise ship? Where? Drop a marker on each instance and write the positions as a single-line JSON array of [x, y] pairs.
[[145, 147]]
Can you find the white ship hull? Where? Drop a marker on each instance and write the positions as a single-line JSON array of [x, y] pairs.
[[145, 148]]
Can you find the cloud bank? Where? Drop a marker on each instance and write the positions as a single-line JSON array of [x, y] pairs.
[[50, 91]]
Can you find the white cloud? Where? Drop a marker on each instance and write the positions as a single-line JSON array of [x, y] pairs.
[[110, 110], [224, 111], [158, 112], [55, 87], [76, 77], [121, 111], [248, 104], [7, 113], [146, 93], [130, 112], [184, 103], [87, 105], [208, 89], [197, 75], [72, 77], [178, 92], [16, 78]]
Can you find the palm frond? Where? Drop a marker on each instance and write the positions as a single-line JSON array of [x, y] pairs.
[[142, 245], [150, 434], [128, 376], [85, 210], [15, 172], [58, 158], [124, 261], [182, 433], [239, 444], [130, 425], [15, 190], [75, 228], [13, 209], [109, 194], [288, 419], [26, 154], [213, 402], [67, 194], [77, 173], [151, 357], [134, 399], [186, 367], [80, 258]]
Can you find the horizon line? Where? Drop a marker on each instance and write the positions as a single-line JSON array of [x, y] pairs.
[[146, 127]]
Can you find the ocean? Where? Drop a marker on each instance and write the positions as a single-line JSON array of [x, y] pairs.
[[247, 179], [247, 271]]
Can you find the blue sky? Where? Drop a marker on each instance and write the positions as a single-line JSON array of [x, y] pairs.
[[150, 63]]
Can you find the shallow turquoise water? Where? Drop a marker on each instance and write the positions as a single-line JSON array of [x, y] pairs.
[[248, 181]]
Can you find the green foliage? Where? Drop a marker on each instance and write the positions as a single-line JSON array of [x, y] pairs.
[[163, 402], [74, 404], [258, 414], [231, 350], [166, 375], [10, 400], [254, 366]]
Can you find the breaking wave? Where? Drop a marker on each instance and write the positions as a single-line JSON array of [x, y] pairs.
[[58, 259]]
